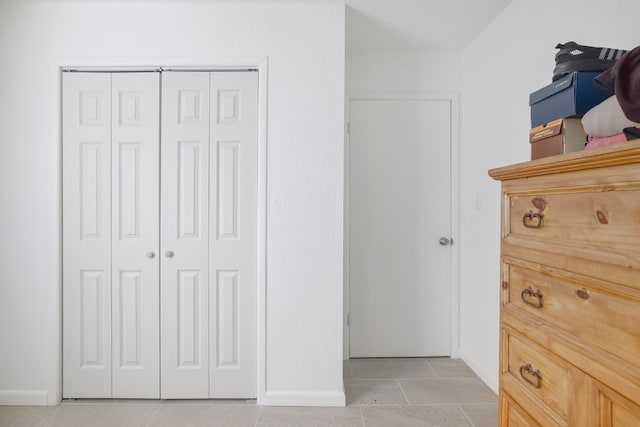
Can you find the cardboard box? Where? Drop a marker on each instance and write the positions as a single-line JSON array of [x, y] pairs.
[[557, 137], [572, 95]]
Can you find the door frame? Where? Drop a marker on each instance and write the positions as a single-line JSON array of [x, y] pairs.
[[110, 64], [453, 98]]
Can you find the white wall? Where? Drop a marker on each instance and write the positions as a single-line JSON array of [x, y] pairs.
[[304, 43], [513, 57], [404, 71]]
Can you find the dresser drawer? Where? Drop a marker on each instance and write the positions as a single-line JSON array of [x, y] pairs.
[[601, 224], [615, 410], [570, 301], [512, 415], [601, 318], [535, 371]]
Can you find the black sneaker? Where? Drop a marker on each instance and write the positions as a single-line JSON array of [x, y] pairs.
[[574, 57]]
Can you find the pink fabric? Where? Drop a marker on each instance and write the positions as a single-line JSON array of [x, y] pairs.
[[604, 141]]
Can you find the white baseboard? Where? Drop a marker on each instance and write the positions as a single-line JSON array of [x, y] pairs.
[[24, 397], [490, 380], [305, 398]]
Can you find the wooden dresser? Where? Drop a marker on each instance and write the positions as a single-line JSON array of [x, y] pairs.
[[570, 301]]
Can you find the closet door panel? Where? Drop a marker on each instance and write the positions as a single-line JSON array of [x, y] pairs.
[[135, 234], [86, 236], [233, 210], [185, 235]]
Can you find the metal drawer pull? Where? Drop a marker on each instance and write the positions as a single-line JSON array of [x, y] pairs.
[[582, 293], [527, 369], [533, 219], [529, 293]]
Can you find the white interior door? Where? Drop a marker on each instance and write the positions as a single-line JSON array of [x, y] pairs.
[[135, 217], [159, 251], [233, 213], [110, 234], [399, 208], [185, 235], [209, 213], [86, 238]]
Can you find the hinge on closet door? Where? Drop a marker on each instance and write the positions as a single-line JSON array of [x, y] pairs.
[[348, 128], [348, 319]]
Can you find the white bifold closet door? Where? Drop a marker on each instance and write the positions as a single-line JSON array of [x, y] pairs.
[[159, 234], [110, 234], [208, 234]]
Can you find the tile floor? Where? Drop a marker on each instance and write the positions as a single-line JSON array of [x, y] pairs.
[[380, 393]]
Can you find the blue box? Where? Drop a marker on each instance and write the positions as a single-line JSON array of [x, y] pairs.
[[571, 95]]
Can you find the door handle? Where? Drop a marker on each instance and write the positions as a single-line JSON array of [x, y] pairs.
[[169, 254], [445, 241], [150, 254]]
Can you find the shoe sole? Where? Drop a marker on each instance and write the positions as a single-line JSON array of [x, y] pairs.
[[593, 64]]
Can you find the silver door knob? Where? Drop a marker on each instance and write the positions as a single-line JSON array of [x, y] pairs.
[[444, 241], [168, 254], [150, 254]]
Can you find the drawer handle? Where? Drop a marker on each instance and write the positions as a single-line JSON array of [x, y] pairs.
[[533, 219], [530, 293], [526, 371], [582, 293]]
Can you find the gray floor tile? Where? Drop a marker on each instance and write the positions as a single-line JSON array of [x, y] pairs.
[[234, 402], [88, 402], [104, 415], [482, 415], [205, 415], [413, 369], [439, 391], [310, 417], [206, 402], [415, 416], [372, 369], [346, 370], [138, 401], [209, 402], [382, 392], [24, 416], [450, 368], [374, 392], [375, 369]]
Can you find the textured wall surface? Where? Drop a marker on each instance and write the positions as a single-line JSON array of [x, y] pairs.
[[304, 44]]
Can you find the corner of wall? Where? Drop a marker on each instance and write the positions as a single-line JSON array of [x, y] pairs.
[[488, 378]]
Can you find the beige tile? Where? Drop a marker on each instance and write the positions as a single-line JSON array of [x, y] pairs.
[[440, 391], [105, 415], [310, 417], [482, 415], [24, 416], [205, 415], [415, 416], [451, 368], [374, 392], [374, 369]]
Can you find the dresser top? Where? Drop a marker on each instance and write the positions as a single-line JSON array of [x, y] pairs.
[[619, 154]]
